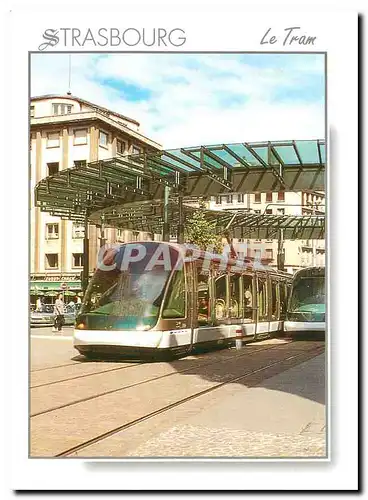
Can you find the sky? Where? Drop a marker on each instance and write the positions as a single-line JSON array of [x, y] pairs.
[[197, 99]]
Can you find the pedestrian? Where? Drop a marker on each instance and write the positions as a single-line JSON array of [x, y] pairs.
[[39, 304], [58, 314]]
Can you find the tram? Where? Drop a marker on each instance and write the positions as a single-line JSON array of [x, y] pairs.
[[154, 298], [306, 308]]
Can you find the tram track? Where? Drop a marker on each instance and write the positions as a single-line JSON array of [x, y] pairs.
[[108, 370], [121, 388], [76, 449], [53, 367], [103, 415], [118, 368]]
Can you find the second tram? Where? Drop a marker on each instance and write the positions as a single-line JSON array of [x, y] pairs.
[[154, 298], [306, 309]]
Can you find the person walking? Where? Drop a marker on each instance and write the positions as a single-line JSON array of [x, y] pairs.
[[58, 314]]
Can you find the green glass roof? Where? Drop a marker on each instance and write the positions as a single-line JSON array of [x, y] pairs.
[[194, 171]]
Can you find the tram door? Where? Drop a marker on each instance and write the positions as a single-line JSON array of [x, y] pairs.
[[202, 304], [190, 283], [274, 304], [262, 305]]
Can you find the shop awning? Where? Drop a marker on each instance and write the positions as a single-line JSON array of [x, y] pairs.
[[47, 286]]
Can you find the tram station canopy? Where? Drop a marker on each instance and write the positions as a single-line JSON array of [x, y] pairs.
[[200, 172], [241, 223]]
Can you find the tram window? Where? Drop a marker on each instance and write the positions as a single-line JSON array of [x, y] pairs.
[[220, 304], [262, 299], [203, 300], [248, 297], [175, 304], [274, 294], [234, 296]]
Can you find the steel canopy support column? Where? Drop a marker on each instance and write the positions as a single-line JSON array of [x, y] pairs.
[[85, 272], [166, 225], [181, 220], [102, 231], [281, 251]]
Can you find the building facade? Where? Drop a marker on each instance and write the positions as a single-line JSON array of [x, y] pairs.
[[298, 253], [65, 132]]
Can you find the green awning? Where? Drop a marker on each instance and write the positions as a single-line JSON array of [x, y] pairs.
[[45, 286]]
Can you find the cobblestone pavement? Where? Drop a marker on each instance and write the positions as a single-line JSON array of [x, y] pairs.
[[194, 441]]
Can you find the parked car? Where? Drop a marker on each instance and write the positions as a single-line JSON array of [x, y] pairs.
[[45, 316], [70, 313]]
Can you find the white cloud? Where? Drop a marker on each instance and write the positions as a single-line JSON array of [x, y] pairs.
[[195, 99]]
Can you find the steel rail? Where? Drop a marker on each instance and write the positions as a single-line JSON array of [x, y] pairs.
[[170, 406]]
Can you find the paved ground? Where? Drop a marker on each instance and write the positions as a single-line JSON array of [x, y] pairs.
[[48, 349], [282, 416]]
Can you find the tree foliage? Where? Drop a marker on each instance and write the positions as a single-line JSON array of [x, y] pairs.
[[201, 232]]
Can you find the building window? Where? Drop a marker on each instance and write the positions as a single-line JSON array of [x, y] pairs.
[[53, 168], [52, 260], [61, 109], [136, 151], [257, 253], [281, 211], [53, 140], [120, 235], [80, 136], [281, 196], [269, 197], [52, 231], [269, 211], [78, 231], [77, 260], [80, 163], [32, 112], [240, 198], [229, 198], [257, 197], [269, 254], [218, 200], [120, 147], [103, 139]]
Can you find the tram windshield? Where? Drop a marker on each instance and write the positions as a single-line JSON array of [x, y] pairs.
[[306, 292], [130, 297]]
